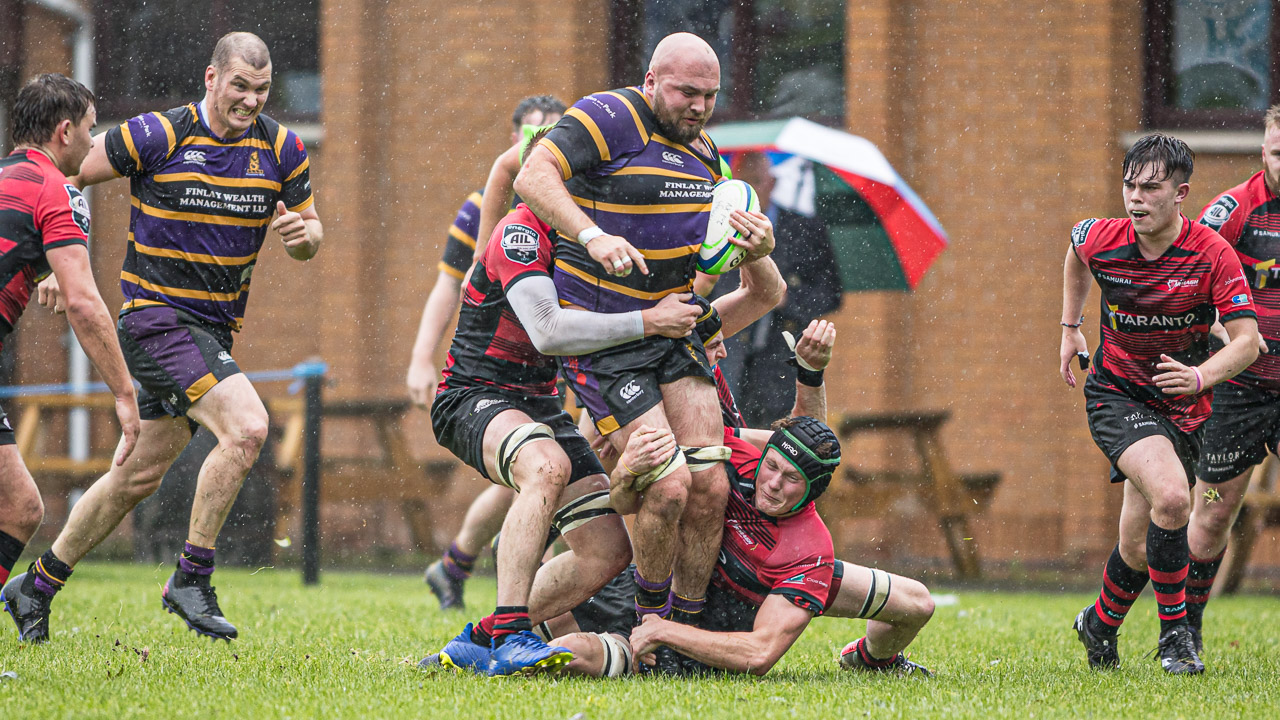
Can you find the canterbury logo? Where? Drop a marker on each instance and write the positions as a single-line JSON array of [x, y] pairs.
[[672, 158], [630, 391], [193, 157]]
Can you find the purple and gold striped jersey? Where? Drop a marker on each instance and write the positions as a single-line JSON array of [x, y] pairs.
[[201, 207], [635, 183], [460, 244]]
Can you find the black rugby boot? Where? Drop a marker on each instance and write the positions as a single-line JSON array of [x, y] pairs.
[[446, 588], [1196, 640], [1098, 647], [1178, 654], [28, 607], [193, 599]]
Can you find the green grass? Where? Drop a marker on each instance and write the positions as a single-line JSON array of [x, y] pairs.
[[349, 649]]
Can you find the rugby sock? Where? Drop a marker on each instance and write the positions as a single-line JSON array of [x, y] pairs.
[[860, 647], [1199, 582], [685, 610], [1121, 585], [504, 621], [196, 560], [653, 598], [51, 573], [1168, 558], [10, 550], [457, 564]]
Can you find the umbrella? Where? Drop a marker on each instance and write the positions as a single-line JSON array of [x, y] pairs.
[[884, 236]]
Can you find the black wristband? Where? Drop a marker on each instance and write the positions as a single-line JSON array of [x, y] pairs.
[[812, 378]]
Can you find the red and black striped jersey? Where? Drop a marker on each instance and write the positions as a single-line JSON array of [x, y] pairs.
[[1161, 306], [728, 406], [761, 555], [39, 211], [1248, 217], [490, 347]]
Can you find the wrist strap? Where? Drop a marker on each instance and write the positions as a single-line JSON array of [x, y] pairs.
[[590, 234], [1075, 325], [1199, 378], [812, 378]]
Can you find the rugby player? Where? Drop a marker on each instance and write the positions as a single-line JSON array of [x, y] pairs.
[[1245, 424], [1162, 278], [44, 227], [446, 576], [628, 173], [206, 179], [498, 410]]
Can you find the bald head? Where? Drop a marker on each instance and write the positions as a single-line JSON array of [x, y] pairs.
[[244, 45], [683, 51]]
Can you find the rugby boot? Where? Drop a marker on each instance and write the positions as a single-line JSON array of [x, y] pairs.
[[430, 662], [193, 599], [462, 653], [523, 653], [1178, 654], [852, 658], [1196, 640], [28, 607], [1098, 647], [666, 662], [446, 588]]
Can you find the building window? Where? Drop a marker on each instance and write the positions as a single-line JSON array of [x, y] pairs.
[[1211, 64], [147, 61], [778, 58]]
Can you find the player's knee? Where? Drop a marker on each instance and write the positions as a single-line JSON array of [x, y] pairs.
[[667, 497], [1213, 518], [1171, 508], [918, 604], [542, 467]]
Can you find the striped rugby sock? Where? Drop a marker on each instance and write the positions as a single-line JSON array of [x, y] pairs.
[[1121, 585], [1168, 561], [1200, 578], [51, 573]]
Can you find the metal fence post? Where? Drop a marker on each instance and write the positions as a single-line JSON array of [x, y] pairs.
[[313, 376]]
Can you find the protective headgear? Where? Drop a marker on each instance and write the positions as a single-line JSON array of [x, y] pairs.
[[709, 322], [798, 444]]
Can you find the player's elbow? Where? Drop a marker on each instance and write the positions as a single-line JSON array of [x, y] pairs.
[[760, 663]]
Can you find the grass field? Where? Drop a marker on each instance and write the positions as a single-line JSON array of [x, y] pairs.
[[349, 649]]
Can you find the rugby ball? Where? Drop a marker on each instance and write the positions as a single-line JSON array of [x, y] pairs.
[[718, 255]]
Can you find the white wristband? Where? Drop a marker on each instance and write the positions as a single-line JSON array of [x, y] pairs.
[[590, 234]]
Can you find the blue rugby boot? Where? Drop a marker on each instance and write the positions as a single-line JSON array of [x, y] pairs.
[[461, 653], [523, 653]]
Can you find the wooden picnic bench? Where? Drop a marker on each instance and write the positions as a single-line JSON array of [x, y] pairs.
[[951, 497]]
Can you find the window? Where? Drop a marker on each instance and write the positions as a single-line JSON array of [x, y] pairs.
[[778, 58], [1211, 64], [149, 60]]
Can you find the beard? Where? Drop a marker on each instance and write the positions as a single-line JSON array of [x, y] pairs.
[[671, 127]]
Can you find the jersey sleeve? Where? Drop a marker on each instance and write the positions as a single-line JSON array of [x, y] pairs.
[[517, 250], [460, 243], [140, 145], [596, 130], [1229, 288], [1221, 215], [295, 168], [806, 579], [1080, 237], [62, 216]]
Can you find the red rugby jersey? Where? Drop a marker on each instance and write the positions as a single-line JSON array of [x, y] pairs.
[[39, 211], [760, 555], [490, 346], [1248, 217], [1166, 305]]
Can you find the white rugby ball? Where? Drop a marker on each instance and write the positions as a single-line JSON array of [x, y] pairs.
[[718, 255]]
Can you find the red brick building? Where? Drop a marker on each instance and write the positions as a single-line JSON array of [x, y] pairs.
[[1009, 119]]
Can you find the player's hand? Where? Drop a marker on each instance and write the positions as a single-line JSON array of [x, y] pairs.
[[1178, 379], [422, 381], [674, 316], [604, 450], [647, 449], [616, 255], [644, 640], [49, 294], [127, 414], [1073, 343], [291, 227], [757, 233], [816, 343]]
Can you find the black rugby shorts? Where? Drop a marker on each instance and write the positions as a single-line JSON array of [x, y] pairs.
[[1244, 427], [1117, 421]]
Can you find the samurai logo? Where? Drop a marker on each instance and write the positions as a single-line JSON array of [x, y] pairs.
[[520, 243], [1219, 212]]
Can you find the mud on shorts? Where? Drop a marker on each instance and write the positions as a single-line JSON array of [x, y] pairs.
[[460, 416], [175, 356], [1244, 427], [622, 383], [1117, 421]]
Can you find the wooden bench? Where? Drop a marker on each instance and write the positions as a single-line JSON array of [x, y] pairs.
[[951, 497]]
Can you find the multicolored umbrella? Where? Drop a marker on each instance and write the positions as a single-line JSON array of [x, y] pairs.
[[884, 235]]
